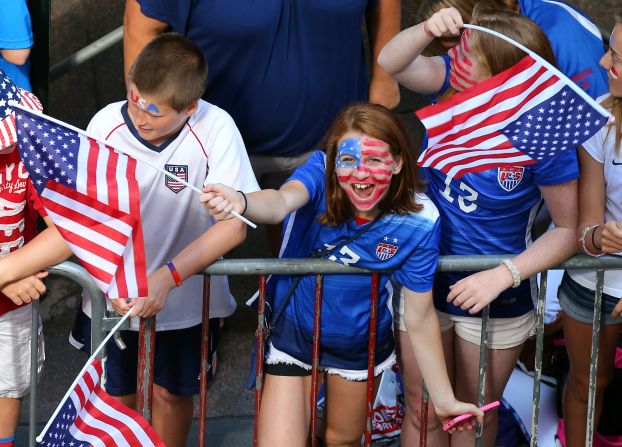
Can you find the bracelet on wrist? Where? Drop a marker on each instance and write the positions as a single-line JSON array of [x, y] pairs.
[[245, 203], [594, 240], [584, 245], [174, 273], [514, 271]]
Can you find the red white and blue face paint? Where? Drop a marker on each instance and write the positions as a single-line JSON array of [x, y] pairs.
[[612, 71], [464, 68], [364, 168], [142, 103]]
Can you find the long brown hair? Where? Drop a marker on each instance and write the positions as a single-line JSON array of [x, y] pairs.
[[614, 105], [380, 123]]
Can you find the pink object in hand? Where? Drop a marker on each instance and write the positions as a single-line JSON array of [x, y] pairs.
[[465, 417]]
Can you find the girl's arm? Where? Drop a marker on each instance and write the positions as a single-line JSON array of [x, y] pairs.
[[267, 206], [592, 194], [402, 58], [476, 291], [425, 338]]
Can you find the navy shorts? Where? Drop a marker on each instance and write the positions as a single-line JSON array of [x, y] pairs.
[[578, 302], [176, 363]]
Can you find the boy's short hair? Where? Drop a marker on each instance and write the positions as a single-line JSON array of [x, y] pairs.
[[172, 69]]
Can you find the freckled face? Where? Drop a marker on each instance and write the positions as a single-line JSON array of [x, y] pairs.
[[364, 168], [464, 69]]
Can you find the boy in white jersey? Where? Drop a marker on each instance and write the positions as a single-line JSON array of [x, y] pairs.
[[165, 122]]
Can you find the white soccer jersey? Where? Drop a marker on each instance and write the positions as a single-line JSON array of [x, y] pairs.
[[601, 148], [208, 149]]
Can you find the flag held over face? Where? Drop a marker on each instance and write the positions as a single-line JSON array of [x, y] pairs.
[[91, 417], [520, 116], [91, 194]]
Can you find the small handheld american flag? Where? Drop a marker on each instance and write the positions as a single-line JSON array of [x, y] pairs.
[[91, 194]]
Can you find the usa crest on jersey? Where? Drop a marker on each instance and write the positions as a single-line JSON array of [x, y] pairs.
[[180, 171], [510, 176], [385, 250]]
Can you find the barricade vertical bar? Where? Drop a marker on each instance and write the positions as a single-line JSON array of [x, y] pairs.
[[591, 395], [423, 430], [260, 354], [535, 410], [34, 363], [371, 357], [144, 378], [315, 357], [203, 375], [483, 364]]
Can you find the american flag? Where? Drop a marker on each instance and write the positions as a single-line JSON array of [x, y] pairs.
[[522, 115], [91, 194], [11, 94], [91, 417]]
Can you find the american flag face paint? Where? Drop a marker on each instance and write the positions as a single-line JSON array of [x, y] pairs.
[[464, 69], [142, 103], [364, 168]]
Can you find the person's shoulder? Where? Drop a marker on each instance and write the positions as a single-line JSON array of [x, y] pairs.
[[558, 15], [208, 114], [427, 215]]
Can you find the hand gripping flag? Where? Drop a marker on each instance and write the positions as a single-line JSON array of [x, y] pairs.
[[520, 116], [91, 194], [91, 417]]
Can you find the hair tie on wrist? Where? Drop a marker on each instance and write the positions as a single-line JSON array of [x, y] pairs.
[[174, 273], [594, 241], [584, 245], [245, 203]]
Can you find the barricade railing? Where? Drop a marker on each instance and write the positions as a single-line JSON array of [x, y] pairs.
[[320, 267]]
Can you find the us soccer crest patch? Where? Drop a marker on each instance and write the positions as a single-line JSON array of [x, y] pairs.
[[180, 171], [385, 251], [510, 176]]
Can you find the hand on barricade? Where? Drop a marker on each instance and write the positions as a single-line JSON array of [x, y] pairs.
[[25, 290], [610, 237], [476, 291], [443, 23], [160, 284], [456, 408]]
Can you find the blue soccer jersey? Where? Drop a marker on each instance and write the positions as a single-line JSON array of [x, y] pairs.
[[576, 41], [405, 244], [492, 212]]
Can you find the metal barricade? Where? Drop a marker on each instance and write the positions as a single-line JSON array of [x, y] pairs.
[[319, 267]]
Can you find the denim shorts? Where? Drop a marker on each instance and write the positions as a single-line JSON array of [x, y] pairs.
[[578, 302]]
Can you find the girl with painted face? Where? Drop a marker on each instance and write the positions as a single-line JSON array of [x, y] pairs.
[[488, 212], [363, 190], [599, 232]]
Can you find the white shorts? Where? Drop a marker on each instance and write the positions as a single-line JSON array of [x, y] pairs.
[[15, 352], [276, 356], [503, 333]]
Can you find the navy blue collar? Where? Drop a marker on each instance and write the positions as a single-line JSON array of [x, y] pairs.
[[153, 147]]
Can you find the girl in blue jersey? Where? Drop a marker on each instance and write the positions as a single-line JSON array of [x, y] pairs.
[[366, 178], [488, 212], [599, 232]]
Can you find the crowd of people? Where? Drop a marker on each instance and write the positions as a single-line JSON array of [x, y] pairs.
[[285, 127]]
